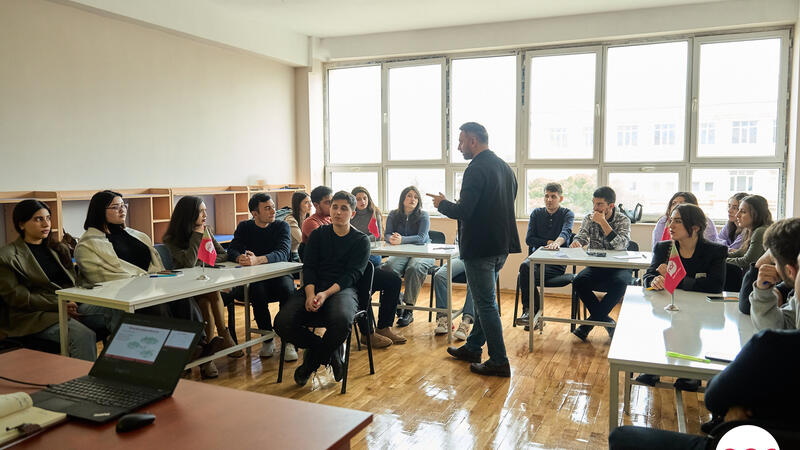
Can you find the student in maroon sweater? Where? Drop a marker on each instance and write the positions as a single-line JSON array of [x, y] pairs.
[[334, 261]]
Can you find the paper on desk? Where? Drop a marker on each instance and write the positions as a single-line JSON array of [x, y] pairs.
[[629, 255]]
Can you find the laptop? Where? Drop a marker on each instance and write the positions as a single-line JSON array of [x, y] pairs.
[[141, 364]]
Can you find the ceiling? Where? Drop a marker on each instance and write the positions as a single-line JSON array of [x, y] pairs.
[[332, 18]]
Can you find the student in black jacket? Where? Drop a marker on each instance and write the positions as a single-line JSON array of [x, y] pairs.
[[333, 261], [487, 233], [703, 260]]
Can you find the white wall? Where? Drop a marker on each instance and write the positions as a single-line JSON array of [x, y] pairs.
[[90, 101]]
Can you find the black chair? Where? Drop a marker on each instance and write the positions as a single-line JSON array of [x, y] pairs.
[[437, 237], [558, 281], [364, 291], [634, 281]]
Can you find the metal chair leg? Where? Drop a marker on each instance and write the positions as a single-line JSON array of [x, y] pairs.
[[346, 362], [280, 363], [516, 303]]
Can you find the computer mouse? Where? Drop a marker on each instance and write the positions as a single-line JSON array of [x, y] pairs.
[[134, 421]]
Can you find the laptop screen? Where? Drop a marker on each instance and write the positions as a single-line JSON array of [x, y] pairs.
[[148, 351]]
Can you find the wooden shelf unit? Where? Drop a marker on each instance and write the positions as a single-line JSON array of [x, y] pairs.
[[281, 193], [230, 204]]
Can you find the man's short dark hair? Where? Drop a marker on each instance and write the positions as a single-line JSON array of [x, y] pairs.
[[257, 199], [606, 193], [477, 130], [692, 216], [344, 195], [319, 193], [553, 187], [783, 241]]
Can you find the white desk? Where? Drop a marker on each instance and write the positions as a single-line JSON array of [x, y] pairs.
[[576, 257], [429, 250], [130, 294], [645, 332]]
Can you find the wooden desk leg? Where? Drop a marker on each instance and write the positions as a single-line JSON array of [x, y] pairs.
[[613, 396], [449, 302], [680, 411], [626, 402], [247, 317], [63, 326]]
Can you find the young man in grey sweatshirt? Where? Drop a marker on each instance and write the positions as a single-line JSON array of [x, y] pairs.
[[783, 241]]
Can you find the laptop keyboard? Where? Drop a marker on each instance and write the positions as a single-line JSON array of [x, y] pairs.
[[100, 393]]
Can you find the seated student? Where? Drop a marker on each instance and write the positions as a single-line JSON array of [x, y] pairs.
[[731, 234], [440, 291], [754, 218], [109, 250], [604, 228], [263, 240], [368, 221], [334, 261], [782, 290], [301, 209], [783, 241], [660, 232], [32, 268], [703, 260], [408, 224], [182, 239], [742, 391], [551, 227], [321, 198]]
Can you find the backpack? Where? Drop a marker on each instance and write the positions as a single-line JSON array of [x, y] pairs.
[[635, 215], [282, 213]]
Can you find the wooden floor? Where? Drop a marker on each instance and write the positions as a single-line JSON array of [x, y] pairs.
[[557, 396]]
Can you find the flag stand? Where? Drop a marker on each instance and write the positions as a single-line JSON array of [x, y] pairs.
[[203, 276], [671, 306]]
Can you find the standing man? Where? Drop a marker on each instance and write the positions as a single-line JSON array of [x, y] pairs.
[[604, 228], [263, 240], [487, 233]]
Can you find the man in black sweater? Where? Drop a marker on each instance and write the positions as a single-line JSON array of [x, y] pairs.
[[334, 261], [487, 233], [263, 240]]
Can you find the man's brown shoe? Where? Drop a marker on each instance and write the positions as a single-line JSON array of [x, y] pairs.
[[498, 370], [377, 340], [387, 332]]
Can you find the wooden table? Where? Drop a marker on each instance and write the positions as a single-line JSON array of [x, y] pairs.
[[197, 416], [645, 332], [134, 293], [577, 257], [435, 251]]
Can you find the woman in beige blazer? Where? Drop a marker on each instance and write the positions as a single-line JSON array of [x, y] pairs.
[[32, 268]]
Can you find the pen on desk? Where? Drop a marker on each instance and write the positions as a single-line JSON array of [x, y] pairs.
[[651, 288], [689, 357]]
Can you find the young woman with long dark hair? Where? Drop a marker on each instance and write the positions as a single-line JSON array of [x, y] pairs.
[[301, 209]]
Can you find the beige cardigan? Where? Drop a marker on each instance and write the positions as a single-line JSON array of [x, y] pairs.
[[98, 261]]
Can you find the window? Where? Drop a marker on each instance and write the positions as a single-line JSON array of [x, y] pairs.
[[706, 113], [426, 180], [346, 181], [415, 112], [707, 133], [664, 134], [652, 190], [484, 90], [744, 132], [764, 181], [562, 97], [739, 79], [354, 115], [627, 135], [646, 85], [578, 186]]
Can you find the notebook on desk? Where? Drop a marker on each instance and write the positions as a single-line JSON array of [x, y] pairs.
[[141, 364]]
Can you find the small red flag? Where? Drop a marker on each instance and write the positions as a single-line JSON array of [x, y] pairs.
[[675, 270], [373, 228], [207, 253], [665, 236]]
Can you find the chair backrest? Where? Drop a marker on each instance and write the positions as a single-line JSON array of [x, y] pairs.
[[633, 246], [364, 286], [300, 249], [436, 237], [166, 256]]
